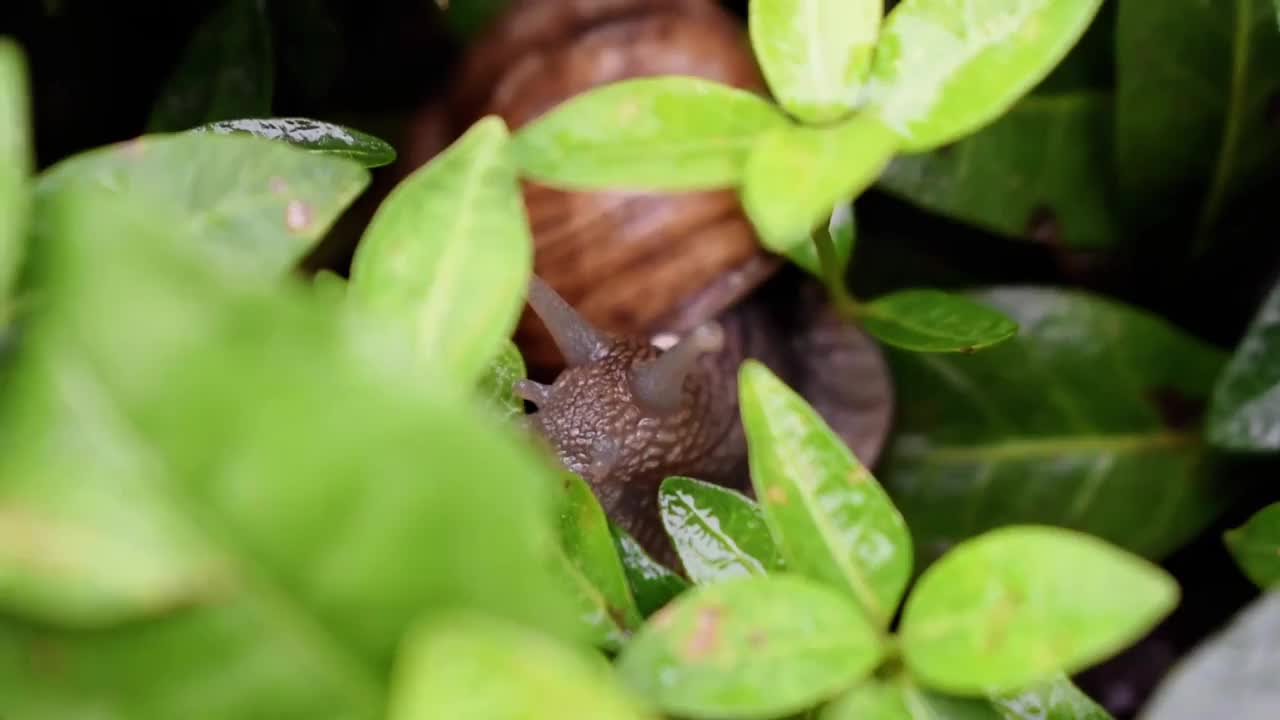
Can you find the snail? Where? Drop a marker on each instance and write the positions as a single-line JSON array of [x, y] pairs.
[[646, 304]]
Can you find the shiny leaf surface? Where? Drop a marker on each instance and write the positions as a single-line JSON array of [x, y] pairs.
[[584, 534], [718, 533], [1017, 605], [935, 321], [318, 137], [1054, 699], [652, 584], [1256, 546], [831, 519], [750, 647], [1244, 412], [16, 160]]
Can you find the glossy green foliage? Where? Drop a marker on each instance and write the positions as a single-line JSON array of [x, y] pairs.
[[652, 584], [672, 133], [1042, 172], [497, 383], [585, 537], [1054, 699], [1020, 604], [1085, 419], [254, 205], [465, 666], [314, 135], [750, 647], [16, 160], [454, 227], [718, 533], [843, 230], [1256, 546], [227, 71], [1244, 412], [829, 516], [945, 68], [815, 54], [935, 321], [1229, 675]]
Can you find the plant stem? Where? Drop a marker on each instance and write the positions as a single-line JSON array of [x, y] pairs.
[[833, 277]]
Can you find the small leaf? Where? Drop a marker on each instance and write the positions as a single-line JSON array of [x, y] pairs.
[[497, 383], [750, 647], [1244, 411], [815, 54], [935, 321], [1054, 699], [469, 17], [16, 161], [650, 133], [318, 137], [652, 584], [1020, 604], [945, 68], [829, 516], [467, 666], [843, 229], [902, 700], [584, 533], [718, 533], [448, 254], [600, 626], [796, 176], [1256, 546]]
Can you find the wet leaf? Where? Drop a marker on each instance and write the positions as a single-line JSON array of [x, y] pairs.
[[448, 255], [750, 647], [1054, 699], [1087, 419], [318, 137], [1256, 546], [718, 533], [1244, 411], [648, 133], [843, 229], [652, 584], [17, 158], [829, 516], [584, 533], [1020, 604], [815, 54], [935, 321]]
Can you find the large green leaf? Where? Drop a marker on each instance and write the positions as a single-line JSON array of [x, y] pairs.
[[926, 320], [1040, 172], [718, 533], [1194, 83], [652, 584], [584, 533], [1021, 604], [750, 647], [448, 254], [649, 133], [945, 68], [830, 517], [16, 161], [318, 137], [815, 54], [1244, 412], [1085, 419], [1256, 546]]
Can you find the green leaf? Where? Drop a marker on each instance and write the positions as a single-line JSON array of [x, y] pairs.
[[448, 255], [796, 176], [597, 621], [1193, 85], [829, 516], [253, 205], [469, 17], [1256, 546], [466, 666], [16, 160], [1086, 419], [1244, 411], [750, 647], [945, 68], [318, 137], [584, 534], [1054, 699], [843, 229], [1041, 172], [1231, 674], [227, 71], [902, 700], [671, 133], [815, 54], [1020, 604], [652, 584], [497, 384], [718, 533], [935, 321]]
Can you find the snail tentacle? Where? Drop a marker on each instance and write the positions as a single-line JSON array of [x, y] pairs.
[[577, 340], [658, 384]]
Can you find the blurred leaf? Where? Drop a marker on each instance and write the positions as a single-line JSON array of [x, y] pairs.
[[815, 54], [1231, 674], [254, 205], [935, 321], [718, 533], [1041, 172], [796, 176], [878, 700], [829, 516], [1256, 546], [1244, 411], [943, 69], [652, 584], [843, 229], [497, 382], [16, 160], [1088, 418], [318, 137], [448, 255], [468, 17], [466, 666], [1018, 605], [750, 647], [1194, 81], [1054, 699], [669, 133], [598, 622], [584, 533], [227, 71]]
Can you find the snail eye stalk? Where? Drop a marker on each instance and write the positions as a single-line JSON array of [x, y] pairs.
[[658, 385], [577, 340]]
